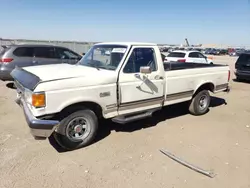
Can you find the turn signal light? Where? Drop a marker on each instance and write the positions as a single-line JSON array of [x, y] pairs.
[[229, 75], [38, 100]]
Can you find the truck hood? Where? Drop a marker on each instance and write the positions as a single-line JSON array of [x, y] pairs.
[[30, 77], [62, 71]]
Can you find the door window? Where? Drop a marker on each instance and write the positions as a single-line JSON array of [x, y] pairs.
[[201, 55], [62, 53], [194, 55], [44, 52], [140, 57], [24, 52]]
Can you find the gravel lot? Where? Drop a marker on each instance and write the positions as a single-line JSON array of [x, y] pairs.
[[128, 155]]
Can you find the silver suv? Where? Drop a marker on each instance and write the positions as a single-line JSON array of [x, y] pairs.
[[31, 55]]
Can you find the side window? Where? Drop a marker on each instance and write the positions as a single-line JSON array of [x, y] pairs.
[[62, 53], [244, 59], [194, 55], [24, 52], [140, 57], [201, 55], [44, 52]]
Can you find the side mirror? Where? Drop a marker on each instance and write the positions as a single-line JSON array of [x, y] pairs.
[[145, 70]]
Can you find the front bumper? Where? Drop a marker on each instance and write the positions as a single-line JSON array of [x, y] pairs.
[[38, 127]]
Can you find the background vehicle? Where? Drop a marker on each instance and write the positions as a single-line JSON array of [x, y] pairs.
[[212, 51], [32, 55], [237, 51], [242, 67], [223, 52], [130, 84], [187, 56]]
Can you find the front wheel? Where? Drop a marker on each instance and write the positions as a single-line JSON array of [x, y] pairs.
[[77, 129], [200, 103]]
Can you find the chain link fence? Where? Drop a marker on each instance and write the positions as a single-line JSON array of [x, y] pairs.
[[79, 47]]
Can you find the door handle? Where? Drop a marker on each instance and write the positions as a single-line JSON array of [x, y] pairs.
[[157, 77], [137, 76]]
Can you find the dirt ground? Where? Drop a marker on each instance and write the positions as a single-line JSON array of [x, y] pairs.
[[128, 155]]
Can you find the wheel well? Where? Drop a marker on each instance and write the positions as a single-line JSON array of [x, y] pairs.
[[96, 108], [206, 86]]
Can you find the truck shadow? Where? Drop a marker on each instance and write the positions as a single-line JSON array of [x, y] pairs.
[[11, 85], [169, 112]]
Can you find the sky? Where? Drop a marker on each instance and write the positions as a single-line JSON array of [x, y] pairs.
[[160, 21]]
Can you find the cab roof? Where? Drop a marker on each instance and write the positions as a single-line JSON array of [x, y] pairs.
[[128, 43]]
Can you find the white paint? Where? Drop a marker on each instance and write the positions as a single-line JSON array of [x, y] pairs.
[[69, 84]]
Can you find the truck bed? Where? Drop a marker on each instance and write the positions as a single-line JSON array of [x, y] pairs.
[[180, 66], [184, 78]]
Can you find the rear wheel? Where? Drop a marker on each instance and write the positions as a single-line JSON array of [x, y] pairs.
[[200, 103], [77, 129]]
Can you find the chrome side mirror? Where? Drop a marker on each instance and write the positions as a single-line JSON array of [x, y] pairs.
[[145, 70]]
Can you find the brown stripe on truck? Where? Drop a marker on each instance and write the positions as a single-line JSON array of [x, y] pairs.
[[181, 95], [141, 103]]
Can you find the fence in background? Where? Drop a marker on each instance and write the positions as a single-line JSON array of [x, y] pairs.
[[78, 47]]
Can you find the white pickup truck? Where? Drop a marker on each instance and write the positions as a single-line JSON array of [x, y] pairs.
[[67, 101]]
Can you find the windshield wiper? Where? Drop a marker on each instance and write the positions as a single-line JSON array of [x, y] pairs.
[[104, 67], [93, 65]]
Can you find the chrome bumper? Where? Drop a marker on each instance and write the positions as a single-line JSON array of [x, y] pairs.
[[38, 127]]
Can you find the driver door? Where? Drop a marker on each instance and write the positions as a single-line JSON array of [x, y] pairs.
[[139, 91]]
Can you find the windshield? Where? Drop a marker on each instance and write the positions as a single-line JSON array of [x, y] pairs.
[[104, 56]]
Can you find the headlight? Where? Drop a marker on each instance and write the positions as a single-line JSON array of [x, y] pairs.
[[28, 96], [38, 100]]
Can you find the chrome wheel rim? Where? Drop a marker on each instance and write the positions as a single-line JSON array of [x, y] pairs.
[[203, 102], [78, 129]]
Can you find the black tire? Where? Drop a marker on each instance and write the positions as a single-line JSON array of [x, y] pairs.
[[211, 63], [196, 107], [63, 134]]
